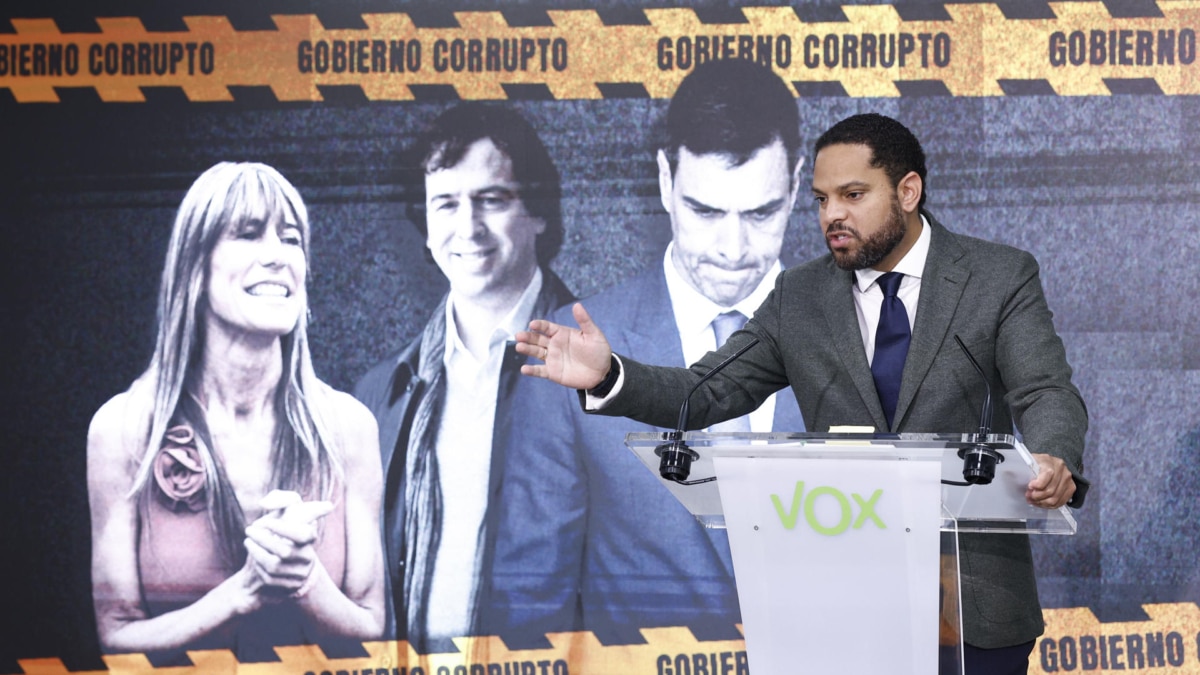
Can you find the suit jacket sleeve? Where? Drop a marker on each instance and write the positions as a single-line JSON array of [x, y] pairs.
[[1047, 409], [654, 394]]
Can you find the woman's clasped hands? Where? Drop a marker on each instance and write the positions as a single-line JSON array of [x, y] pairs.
[[281, 561]]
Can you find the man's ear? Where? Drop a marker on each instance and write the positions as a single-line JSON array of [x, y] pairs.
[[666, 182], [909, 191]]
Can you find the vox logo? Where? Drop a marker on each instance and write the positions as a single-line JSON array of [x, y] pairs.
[[835, 517]]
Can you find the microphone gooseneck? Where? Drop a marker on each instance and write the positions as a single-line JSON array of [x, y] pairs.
[[675, 457], [980, 459]]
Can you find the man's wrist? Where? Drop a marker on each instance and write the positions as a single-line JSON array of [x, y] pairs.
[[614, 373], [1081, 490]]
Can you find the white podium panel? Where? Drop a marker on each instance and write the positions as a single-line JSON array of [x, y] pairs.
[[865, 599]]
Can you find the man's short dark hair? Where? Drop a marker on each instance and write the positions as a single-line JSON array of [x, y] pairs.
[[732, 107], [893, 147], [445, 142]]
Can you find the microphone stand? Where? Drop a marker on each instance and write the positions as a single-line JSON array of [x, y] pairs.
[[979, 459], [675, 457]]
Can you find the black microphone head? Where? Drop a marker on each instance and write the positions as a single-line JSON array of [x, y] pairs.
[[676, 457], [675, 460], [979, 463]]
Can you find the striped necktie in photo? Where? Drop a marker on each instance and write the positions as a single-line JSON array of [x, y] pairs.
[[725, 325]]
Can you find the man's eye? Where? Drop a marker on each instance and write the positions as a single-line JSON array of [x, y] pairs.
[[446, 206], [761, 215], [493, 202]]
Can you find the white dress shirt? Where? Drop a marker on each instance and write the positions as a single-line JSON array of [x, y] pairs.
[[464, 456]]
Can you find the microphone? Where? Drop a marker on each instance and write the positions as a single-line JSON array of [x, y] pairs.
[[980, 459], [675, 457]]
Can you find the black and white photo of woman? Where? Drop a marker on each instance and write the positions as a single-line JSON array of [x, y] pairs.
[[234, 495]]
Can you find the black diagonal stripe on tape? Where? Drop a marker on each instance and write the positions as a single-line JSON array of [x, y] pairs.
[[818, 13], [249, 16], [342, 94], [1133, 9], [432, 17], [1026, 88], [622, 90], [165, 96], [1026, 9], [340, 18], [916, 11], [819, 89], [720, 15], [163, 18], [434, 92], [528, 92], [917, 88], [78, 96], [1133, 86], [76, 23], [253, 96], [622, 15], [526, 17]]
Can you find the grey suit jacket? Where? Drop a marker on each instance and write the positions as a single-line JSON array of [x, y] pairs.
[[988, 294]]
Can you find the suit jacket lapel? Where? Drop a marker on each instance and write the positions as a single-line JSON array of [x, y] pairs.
[[650, 335], [837, 304], [942, 286]]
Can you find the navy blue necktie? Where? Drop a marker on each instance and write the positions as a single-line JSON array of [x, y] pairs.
[[891, 345]]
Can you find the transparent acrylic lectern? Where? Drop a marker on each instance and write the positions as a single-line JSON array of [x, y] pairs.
[[845, 545]]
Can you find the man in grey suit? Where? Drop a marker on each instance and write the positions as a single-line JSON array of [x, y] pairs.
[[828, 323], [586, 538]]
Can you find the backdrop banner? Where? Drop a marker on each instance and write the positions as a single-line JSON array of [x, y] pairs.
[[1068, 129]]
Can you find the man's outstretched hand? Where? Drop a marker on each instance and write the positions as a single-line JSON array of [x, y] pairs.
[[574, 357]]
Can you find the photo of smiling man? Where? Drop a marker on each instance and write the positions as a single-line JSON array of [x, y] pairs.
[[485, 193], [614, 552]]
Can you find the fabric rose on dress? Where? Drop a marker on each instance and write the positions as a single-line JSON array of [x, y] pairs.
[[179, 471]]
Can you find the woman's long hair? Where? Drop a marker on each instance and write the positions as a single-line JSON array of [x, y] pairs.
[[304, 457]]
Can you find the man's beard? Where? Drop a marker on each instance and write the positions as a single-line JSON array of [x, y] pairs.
[[874, 248]]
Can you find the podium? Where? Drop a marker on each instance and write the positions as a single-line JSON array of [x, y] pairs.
[[845, 546]]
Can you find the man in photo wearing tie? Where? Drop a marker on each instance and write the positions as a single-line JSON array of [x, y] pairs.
[[612, 551], [865, 336]]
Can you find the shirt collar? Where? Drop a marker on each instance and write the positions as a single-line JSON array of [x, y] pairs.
[[694, 312], [517, 318], [911, 265]]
